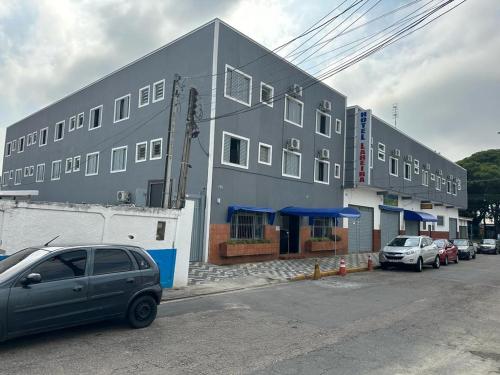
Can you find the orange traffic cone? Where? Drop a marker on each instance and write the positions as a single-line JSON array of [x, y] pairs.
[[370, 263], [342, 270]]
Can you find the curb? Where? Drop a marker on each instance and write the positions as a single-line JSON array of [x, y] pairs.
[[328, 273]]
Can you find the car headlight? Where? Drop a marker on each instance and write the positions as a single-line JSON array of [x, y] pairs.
[[410, 252]]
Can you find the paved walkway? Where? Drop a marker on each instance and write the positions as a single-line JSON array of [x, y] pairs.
[[204, 273]]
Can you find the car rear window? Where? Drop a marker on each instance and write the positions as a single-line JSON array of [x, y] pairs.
[[111, 261], [461, 242]]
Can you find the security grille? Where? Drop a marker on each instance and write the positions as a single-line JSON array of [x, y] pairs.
[[247, 226], [322, 227], [238, 86]]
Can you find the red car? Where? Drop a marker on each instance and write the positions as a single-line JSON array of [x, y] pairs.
[[447, 251]]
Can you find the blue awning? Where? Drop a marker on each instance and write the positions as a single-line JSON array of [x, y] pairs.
[[269, 211], [346, 212], [390, 208], [419, 216]]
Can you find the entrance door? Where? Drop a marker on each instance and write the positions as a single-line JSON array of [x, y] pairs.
[[155, 193], [453, 228], [290, 235], [411, 228], [389, 226], [196, 254], [361, 231]]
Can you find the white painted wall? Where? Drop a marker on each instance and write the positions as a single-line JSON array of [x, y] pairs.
[[24, 224]]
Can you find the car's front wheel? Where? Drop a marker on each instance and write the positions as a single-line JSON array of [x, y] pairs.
[[419, 265], [446, 261], [436, 263], [383, 266], [456, 259], [474, 255], [142, 312]]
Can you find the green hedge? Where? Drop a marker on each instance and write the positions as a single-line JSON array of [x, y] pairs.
[[237, 242]]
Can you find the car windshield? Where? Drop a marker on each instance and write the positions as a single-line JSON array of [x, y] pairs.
[[20, 258], [489, 242], [461, 242], [405, 242], [440, 243]]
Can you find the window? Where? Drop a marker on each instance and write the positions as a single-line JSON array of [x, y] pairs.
[[337, 171], [247, 226], [18, 176], [40, 173], [11, 174], [238, 86], [425, 178], [80, 121], [381, 152], [291, 164], [438, 183], [321, 171], [433, 177], [440, 220], [21, 145], [371, 155], [59, 131], [407, 175], [394, 167], [323, 123], [95, 119], [26, 171], [144, 96], [416, 166], [111, 261], [29, 140], [56, 170], [14, 145], [235, 150], [454, 188], [265, 153], [76, 164], [42, 141], [92, 164], [322, 227], [141, 152], [8, 149], [294, 111], [33, 140], [5, 180], [72, 123], [119, 159], [266, 94], [69, 165], [122, 108], [459, 184], [338, 126], [63, 266], [31, 170], [158, 91], [155, 149], [160, 230], [141, 261]]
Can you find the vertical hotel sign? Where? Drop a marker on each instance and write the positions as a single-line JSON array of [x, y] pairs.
[[363, 141]]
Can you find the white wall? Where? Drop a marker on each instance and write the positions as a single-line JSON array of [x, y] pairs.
[[24, 224]]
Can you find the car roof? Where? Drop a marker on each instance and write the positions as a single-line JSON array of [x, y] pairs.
[[73, 246]]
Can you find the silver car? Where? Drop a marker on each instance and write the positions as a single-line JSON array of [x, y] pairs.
[[414, 251], [466, 249], [489, 246]]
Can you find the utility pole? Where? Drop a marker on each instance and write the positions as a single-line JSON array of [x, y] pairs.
[[192, 131], [167, 176]]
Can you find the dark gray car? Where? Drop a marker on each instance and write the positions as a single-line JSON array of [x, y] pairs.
[[47, 288]]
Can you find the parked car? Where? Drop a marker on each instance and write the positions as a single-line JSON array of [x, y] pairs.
[[447, 251], [489, 246], [414, 251], [45, 288], [465, 247]]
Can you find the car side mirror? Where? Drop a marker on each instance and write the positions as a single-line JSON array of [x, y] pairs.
[[32, 278], [421, 245]]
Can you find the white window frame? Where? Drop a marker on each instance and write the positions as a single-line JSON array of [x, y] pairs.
[[337, 169], [416, 166], [128, 112], [270, 147], [26, 171], [29, 139], [8, 149], [381, 151], [19, 182], [425, 178], [338, 126], [52, 169], [37, 176], [391, 158], [151, 149], [283, 164], [40, 138], [433, 177], [82, 116], [19, 144], [454, 189], [448, 187], [100, 117], [86, 163], [316, 165], [262, 84], [111, 162], [34, 137], [329, 127], [286, 107], [63, 122], [145, 153], [72, 118], [5, 179], [66, 165], [153, 99], [250, 86], [77, 157], [241, 138], [148, 87], [31, 170], [410, 167], [438, 183], [13, 145], [11, 174]]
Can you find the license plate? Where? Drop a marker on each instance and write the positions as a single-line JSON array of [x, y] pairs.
[[393, 260]]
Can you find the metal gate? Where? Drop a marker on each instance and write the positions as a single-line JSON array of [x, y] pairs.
[[453, 228], [361, 230], [411, 227], [198, 230], [389, 226]]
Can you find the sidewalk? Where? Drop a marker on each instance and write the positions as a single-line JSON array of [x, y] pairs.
[[205, 278]]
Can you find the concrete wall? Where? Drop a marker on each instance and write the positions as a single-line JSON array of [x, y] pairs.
[[24, 224]]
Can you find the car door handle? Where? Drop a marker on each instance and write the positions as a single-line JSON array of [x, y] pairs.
[[130, 280], [78, 288]]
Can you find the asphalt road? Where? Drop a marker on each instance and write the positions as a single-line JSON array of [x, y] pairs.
[[443, 321]]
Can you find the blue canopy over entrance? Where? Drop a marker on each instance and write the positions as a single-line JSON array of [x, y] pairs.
[[347, 212], [269, 211], [390, 208], [419, 216]]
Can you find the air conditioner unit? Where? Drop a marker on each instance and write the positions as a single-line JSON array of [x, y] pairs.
[[296, 91], [440, 172], [396, 152], [324, 154], [326, 105], [427, 166], [409, 158], [123, 196], [293, 144]]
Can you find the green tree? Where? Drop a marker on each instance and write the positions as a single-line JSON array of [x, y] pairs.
[[483, 186]]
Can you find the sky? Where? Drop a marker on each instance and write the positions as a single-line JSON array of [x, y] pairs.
[[445, 78]]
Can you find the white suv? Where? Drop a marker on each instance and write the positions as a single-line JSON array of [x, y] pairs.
[[410, 250]]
